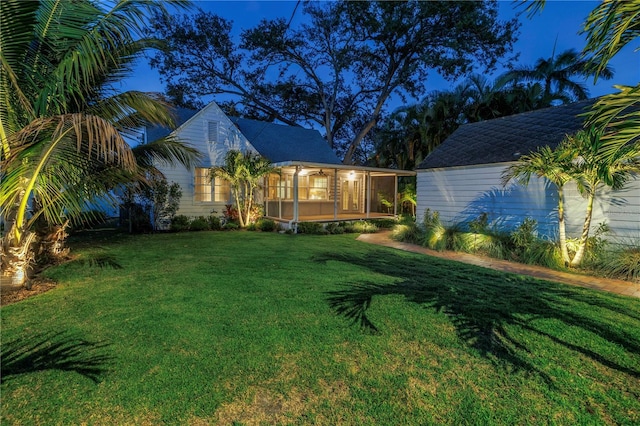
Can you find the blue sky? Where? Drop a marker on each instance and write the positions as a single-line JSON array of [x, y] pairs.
[[559, 23]]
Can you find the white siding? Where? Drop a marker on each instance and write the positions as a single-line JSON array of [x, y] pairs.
[[196, 132], [461, 194]]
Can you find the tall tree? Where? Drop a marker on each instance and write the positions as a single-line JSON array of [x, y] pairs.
[[557, 75], [61, 119], [340, 66]]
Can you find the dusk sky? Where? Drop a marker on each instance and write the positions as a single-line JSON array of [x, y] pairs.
[[559, 23]]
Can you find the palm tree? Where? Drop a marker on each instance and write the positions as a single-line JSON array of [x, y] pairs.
[[61, 120], [557, 76], [592, 172], [399, 139], [244, 172], [555, 166], [610, 27]]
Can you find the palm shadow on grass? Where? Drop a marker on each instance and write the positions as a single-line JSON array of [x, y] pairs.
[[99, 260], [483, 305], [54, 351]]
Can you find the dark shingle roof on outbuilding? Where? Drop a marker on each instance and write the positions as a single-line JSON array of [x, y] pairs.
[[280, 143], [506, 139]]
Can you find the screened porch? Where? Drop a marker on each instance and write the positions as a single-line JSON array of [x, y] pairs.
[[304, 192]]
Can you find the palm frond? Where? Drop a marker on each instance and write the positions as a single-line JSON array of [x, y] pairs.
[[168, 151], [610, 27], [619, 114]]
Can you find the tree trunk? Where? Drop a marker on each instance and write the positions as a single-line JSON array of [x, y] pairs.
[[236, 195], [561, 228], [51, 242], [582, 246], [17, 258]]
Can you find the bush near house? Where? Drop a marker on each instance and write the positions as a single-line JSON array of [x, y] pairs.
[[521, 244]]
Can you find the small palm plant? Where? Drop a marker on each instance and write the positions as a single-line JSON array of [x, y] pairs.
[[592, 171], [244, 172], [578, 158], [554, 165]]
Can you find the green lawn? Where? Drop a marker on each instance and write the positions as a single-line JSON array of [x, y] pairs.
[[245, 327]]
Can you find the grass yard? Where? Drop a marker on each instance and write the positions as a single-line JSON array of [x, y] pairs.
[[251, 328]]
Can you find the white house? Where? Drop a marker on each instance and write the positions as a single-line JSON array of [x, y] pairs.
[[313, 185], [461, 179]]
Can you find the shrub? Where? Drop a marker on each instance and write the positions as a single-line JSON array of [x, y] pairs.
[[487, 243], [200, 223], [362, 227], [312, 228], [180, 223], [435, 234], [335, 228], [230, 213], [544, 253], [231, 226], [257, 211], [384, 223], [409, 232], [525, 234], [527, 248], [215, 224], [621, 262], [266, 225]]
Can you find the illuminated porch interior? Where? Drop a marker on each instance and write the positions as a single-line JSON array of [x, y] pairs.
[[329, 192]]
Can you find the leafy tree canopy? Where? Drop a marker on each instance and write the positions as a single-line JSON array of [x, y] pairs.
[[338, 69]]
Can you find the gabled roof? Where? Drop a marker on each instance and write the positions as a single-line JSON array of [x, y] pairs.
[[280, 143], [181, 116], [506, 139]]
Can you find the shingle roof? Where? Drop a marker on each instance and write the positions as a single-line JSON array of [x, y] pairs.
[[281, 143], [181, 116], [506, 139]]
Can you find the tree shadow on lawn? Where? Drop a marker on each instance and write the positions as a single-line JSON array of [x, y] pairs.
[[482, 305], [54, 351]]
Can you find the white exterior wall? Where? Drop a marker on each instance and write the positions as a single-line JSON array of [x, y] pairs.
[[461, 194], [195, 132]]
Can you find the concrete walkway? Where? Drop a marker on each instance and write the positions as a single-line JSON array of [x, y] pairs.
[[605, 284]]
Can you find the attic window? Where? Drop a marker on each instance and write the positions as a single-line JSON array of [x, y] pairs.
[[212, 132]]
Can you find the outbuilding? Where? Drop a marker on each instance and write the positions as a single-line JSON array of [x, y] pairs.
[[462, 178]]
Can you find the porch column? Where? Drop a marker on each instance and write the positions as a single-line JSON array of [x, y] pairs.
[[368, 192], [279, 191], [295, 194], [335, 194], [395, 195]]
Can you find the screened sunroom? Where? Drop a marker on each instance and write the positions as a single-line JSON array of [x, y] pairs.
[[316, 192]]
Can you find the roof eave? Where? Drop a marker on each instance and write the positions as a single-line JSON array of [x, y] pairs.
[[344, 167]]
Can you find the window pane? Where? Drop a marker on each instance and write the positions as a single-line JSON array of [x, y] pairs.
[[318, 186], [221, 190], [202, 188]]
